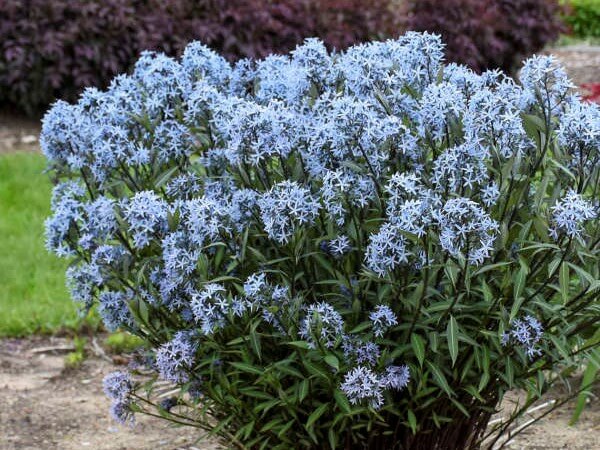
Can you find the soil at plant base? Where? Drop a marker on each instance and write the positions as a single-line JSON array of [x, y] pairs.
[[44, 406]]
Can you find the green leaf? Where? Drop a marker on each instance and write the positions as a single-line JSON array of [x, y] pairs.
[[564, 281], [164, 177], [451, 270], [452, 336], [270, 425], [255, 393], [589, 278], [332, 435], [472, 390], [440, 379], [342, 401], [255, 340], [510, 372], [247, 368], [285, 428], [325, 264], [361, 327], [332, 361], [412, 421], [433, 341], [556, 340], [516, 306], [418, 346], [303, 390], [316, 370], [519, 282], [316, 414], [461, 407], [588, 377], [299, 344], [246, 430], [489, 267]]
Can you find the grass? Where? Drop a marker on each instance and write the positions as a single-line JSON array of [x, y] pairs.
[[33, 296]]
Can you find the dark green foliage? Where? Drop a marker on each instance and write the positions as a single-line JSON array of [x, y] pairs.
[[583, 17]]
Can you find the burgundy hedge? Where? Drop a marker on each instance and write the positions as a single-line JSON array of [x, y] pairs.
[[487, 34], [52, 49]]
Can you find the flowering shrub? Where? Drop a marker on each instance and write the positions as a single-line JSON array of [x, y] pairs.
[[488, 34], [54, 49], [363, 249]]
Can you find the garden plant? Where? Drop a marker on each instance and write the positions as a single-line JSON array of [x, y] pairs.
[[354, 250]]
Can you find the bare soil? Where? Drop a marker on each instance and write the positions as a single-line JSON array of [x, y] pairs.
[[45, 406], [552, 432], [18, 132]]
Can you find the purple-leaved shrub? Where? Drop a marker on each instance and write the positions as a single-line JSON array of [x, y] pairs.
[[53, 49], [488, 34], [358, 249]]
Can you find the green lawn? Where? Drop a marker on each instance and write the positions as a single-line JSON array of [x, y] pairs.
[[33, 297]]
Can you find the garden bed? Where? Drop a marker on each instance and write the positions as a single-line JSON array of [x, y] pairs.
[[45, 406]]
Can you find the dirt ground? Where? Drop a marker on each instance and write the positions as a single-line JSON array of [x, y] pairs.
[[581, 61], [45, 406], [18, 132]]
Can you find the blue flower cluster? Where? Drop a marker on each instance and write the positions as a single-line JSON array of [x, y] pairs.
[[382, 319], [570, 214], [212, 192], [526, 332], [322, 325], [362, 384], [118, 386], [175, 358]]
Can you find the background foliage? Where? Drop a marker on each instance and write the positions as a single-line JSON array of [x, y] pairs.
[[583, 17], [488, 34], [53, 49]]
